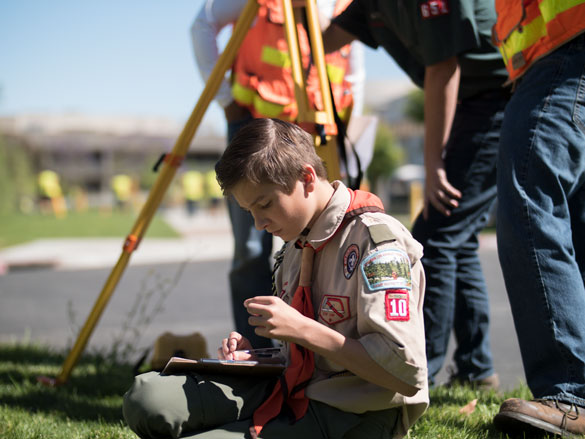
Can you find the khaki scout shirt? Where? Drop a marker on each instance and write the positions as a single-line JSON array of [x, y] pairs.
[[351, 295]]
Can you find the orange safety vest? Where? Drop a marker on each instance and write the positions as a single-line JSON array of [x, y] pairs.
[[527, 30], [263, 80]]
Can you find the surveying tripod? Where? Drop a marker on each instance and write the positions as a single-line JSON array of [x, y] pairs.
[[171, 161]]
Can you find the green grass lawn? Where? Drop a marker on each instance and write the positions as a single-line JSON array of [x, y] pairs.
[[19, 228], [90, 404]]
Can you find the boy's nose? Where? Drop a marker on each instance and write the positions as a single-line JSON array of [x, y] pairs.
[[260, 223]]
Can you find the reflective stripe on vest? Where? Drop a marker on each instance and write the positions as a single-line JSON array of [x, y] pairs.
[[537, 27], [275, 57], [280, 58], [250, 98]]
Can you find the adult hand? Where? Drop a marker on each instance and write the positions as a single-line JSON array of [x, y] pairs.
[[438, 190], [273, 318], [235, 112], [232, 346]]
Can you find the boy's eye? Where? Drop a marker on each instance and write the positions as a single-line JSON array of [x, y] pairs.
[[265, 205]]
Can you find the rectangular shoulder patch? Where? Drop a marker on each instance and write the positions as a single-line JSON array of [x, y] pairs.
[[397, 305], [380, 233], [387, 269]]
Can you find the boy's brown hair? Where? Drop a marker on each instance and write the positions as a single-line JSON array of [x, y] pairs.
[[268, 151]]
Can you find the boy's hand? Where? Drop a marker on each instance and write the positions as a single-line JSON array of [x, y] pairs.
[[232, 346], [273, 318]]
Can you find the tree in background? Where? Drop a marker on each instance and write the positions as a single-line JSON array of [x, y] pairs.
[[388, 155], [415, 106], [17, 178]]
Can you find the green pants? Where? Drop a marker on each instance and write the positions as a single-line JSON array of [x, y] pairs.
[[221, 407]]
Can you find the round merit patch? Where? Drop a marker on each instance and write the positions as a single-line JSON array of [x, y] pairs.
[[350, 260]]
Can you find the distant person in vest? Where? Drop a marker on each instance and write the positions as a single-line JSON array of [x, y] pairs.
[[260, 85], [122, 187], [541, 211], [51, 197], [445, 47], [193, 183]]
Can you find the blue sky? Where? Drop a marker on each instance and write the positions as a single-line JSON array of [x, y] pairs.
[[109, 57]]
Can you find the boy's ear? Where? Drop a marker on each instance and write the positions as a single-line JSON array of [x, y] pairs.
[[309, 178]]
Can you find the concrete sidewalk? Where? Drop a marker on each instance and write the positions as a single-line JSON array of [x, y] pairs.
[[204, 237]]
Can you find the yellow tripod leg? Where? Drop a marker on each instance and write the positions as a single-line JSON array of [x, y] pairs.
[[157, 192], [327, 152], [292, 39], [319, 60]]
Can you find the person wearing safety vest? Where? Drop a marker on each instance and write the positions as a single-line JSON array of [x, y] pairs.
[[51, 193], [193, 190], [541, 209], [260, 85], [263, 77], [445, 48], [122, 187]]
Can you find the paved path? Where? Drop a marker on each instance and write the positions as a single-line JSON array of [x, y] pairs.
[[204, 237]]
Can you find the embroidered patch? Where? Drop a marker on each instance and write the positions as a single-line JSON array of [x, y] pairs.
[[434, 8], [334, 309], [397, 306], [387, 269], [350, 260]]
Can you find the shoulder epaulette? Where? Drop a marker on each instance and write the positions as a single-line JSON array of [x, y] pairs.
[[380, 233]]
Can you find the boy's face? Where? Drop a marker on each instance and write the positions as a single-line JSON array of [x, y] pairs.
[[281, 214]]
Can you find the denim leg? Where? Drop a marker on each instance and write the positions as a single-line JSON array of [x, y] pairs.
[[541, 221], [456, 295], [251, 271], [473, 359]]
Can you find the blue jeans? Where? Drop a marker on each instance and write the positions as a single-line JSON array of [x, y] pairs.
[[541, 221], [251, 271], [456, 296]]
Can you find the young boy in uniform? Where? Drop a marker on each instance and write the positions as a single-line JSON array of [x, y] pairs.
[[347, 308]]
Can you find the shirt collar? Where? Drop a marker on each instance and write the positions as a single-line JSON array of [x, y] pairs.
[[330, 219]]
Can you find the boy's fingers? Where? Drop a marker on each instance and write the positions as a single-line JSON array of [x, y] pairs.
[[258, 305], [223, 352], [262, 300], [256, 320], [233, 341]]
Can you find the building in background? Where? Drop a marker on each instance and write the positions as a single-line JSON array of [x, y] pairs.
[[88, 151]]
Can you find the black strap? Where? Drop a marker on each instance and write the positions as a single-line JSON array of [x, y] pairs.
[[352, 182], [159, 162]]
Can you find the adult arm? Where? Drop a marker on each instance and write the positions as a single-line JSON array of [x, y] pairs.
[[334, 38], [441, 87], [211, 19], [273, 318]]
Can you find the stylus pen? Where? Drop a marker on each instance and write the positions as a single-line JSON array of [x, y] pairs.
[[262, 352]]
